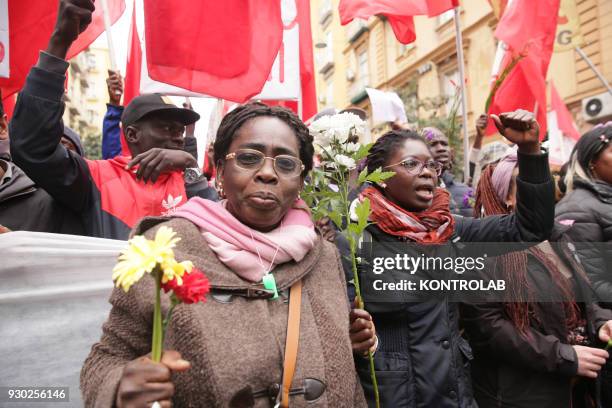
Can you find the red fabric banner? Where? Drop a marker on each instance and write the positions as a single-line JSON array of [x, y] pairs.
[[399, 13], [224, 49], [527, 29], [30, 27]]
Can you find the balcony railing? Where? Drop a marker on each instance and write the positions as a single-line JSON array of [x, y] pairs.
[[355, 29]]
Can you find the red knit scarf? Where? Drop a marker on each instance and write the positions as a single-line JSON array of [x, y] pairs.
[[432, 226]]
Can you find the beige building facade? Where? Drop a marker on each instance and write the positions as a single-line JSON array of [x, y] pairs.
[[86, 94], [366, 54]]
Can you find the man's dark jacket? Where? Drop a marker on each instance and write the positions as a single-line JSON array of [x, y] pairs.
[[26, 207]]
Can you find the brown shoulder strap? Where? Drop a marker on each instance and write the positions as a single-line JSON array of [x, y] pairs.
[[291, 345]]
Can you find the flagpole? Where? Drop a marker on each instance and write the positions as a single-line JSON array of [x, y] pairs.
[[594, 68], [461, 63], [109, 37]]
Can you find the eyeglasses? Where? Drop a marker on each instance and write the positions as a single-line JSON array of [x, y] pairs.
[[415, 166], [253, 160]]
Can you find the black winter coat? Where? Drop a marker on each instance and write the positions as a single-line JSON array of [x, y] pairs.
[[26, 207], [422, 361], [512, 370], [588, 208]]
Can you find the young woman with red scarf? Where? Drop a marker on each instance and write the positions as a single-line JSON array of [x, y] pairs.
[[421, 359]]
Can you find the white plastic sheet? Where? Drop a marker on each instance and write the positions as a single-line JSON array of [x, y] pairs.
[[54, 292]]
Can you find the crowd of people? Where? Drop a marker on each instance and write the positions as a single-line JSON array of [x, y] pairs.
[[242, 217]]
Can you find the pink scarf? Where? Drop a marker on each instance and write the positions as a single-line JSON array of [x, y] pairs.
[[234, 245]]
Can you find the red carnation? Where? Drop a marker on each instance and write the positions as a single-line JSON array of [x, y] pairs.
[[193, 290]]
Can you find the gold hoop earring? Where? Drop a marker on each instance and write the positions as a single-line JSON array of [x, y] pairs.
[[220, 189]]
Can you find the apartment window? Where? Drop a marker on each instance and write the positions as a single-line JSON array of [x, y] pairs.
[[329, 94], [91, 61], [325, 56], [325, 11], [362, 68], [446, 16], [92, 117], [403, 48], [91, 91], [329, 49]]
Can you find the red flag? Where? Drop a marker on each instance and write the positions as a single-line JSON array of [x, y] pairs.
[[93, 31], [30, 27], [436, 7], [132, 72], [219, 48], [527, 29], [399, 13], [565, 120], [307, 72]]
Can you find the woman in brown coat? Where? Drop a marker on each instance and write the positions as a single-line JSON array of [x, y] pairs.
[[230, 350]]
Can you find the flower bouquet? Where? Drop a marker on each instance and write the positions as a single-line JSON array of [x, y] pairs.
[[156, 257], [336, 141]]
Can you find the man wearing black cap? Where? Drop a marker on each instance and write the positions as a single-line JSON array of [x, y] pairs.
[[110, 195]]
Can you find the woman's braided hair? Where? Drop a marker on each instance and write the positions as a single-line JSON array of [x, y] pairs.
[[513, 266], [233, 121], [386, 144]]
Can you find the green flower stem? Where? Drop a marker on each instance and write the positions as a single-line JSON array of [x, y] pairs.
[[156, 347], [324, 197], [609, 344], [168, 316], [361, 305]]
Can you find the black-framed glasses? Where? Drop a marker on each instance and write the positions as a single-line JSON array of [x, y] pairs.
[[415, 166], [253, 160]]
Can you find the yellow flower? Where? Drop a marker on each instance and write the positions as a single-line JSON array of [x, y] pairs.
[[172, 269], [143, 255]]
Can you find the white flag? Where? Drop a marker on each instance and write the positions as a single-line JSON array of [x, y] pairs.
[[386, 106], [559, 145]]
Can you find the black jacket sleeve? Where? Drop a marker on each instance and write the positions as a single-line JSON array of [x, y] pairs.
[[36, 130], [533, 218], [191, 146], [492, 333]]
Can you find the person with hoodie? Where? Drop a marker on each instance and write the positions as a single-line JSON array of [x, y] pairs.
[[587, 209], [541, 345], [587, 206], [24, 206], [110, 195]]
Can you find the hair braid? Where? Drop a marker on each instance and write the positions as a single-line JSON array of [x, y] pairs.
[[513, 266]]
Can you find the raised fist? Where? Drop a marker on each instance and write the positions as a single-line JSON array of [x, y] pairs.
[[73, 17], [519, 127]]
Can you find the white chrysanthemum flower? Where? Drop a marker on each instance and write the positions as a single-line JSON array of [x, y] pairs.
[[336, 128], [352, 147], [345, 161]]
